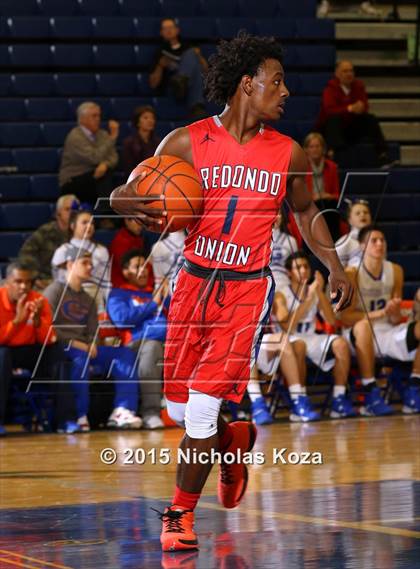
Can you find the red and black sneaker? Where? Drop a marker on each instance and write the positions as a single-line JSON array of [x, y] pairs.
[[233, 478], [178, 529]]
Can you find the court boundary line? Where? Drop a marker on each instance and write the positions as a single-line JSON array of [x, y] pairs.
[[27, 558]]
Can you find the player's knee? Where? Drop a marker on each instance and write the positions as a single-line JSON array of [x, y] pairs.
[[340, 348], [176, 411], [362, 330], [201, 415], [299, 347]]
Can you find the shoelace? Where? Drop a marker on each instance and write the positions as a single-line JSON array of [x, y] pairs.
[[226, 474], [172, 520]]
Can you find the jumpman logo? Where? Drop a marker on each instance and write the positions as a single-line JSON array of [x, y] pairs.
[[207, 138]]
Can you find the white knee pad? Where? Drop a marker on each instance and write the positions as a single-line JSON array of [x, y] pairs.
[[201, 415], [176, 411]]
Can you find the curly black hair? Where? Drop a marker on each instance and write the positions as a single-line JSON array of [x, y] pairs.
[[241, 56]]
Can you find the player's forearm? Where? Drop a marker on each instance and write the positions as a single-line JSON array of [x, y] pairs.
[[317, 236], [326, 309]]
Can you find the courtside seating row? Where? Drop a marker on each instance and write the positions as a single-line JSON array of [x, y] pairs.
[[159, 8], [128, 84], [128, 55], [148, 28], [121, 108]]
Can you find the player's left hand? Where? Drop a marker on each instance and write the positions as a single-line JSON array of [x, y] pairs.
[[341, 289]]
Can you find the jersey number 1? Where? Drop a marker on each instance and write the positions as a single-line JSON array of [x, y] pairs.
[[227, 225]]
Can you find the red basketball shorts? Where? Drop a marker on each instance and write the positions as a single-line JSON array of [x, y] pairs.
[[214, 352]]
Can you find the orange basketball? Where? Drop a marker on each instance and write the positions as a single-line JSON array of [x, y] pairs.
[[175, 179]]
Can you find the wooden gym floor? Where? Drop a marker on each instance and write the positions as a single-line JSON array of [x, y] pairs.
[[62, 508]]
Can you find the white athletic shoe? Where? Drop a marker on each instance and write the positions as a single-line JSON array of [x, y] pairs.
[[153, 422], [83, 424], [323, 9], [122, 418], [369, 9]]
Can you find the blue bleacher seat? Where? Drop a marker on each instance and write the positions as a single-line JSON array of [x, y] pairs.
[[148, 28], [252, 9], [410, 262], [401, 236], [219, 8], [71, 27], [302, 108], [4, 55], [104, 236], [38, 27], [48, 109], [99, 7], [123, 107], [313, 83], [289, 56], [311, 28], [292, 83], [145, 55], [54, 8], [5, 84], [316, 55], [143, 85], [150, 9], [14, 188], [20, 134], [289, 128], [410, 289], [10, 244], [53, 134], [163, 128], [32, 84], [178, 8], [45, 187], [69, 84], [24, 216], [117, 84], [207, 49], [19, 8], [282, 29], [167, 109], [36, 160], [301, 9], [6, 158], [118, 55], [12, 109], [304, 128], [69, 55], [114, 28], [202, 28], [404, 180], [229, 27], [27, 55], [369, 182]]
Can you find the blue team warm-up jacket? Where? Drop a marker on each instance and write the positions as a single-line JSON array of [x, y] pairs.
[[134, 311]]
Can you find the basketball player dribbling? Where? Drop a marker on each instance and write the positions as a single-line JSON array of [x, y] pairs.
[[225, 289]]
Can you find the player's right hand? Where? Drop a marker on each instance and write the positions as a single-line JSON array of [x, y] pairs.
[[125, 201]]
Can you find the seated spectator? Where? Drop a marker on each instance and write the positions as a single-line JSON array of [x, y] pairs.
[[76, 325], [81, 232], [366, 8], [37, 251], [25, 333], [348, 246], [138, 314], [178, 68], [379, 285], [296, 309], [323, 182], [167, 257], [89, 157], [344, 119], [283, 245], [131, 236], [143, 143]]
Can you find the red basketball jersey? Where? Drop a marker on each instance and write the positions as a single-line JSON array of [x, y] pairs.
[[244, 186]]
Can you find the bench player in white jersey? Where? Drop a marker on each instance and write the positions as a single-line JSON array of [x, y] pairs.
[[296, 308], [282, 246], [348, 247], [379, 285], [167, 258]]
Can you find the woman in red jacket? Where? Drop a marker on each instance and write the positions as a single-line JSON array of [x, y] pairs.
[[323, 182]]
